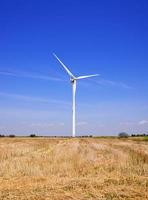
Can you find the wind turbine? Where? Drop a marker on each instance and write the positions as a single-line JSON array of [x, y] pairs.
[[73, 80]]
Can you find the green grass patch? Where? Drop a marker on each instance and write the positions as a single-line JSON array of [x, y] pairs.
[[145, 138]]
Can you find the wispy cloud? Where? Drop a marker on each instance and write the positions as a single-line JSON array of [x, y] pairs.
[[105, 82], [23, 97], [128, 123], [2, 127], [134, 123], [100, 81], [29, 75], [41, 125], [46, 125], [32, 99], [81, 123], [143, 122]]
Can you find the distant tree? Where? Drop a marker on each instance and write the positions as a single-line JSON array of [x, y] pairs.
[[11, 135], [32, 135], [2, 135], [123, 135], [90, 136]]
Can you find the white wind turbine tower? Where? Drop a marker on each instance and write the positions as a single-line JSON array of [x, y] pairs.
[[73, 80]]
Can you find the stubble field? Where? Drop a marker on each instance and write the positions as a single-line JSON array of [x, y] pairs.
[[61, 169]]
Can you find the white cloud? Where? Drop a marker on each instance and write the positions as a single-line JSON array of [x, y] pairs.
[[32, 99], [142, 122], [61, 124], [103, 82], [81, 123], [46, 125], [42, 125], [29, 75], [2, 127], [101, 125], [23, 97], [106, 82], [127, 123]]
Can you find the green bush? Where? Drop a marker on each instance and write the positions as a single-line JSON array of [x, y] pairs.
[[123, 135], [32, 135]]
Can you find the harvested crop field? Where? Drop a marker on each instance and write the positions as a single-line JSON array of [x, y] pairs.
[[80, 168]]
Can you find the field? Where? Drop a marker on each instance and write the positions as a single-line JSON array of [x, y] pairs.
[[80, 168]]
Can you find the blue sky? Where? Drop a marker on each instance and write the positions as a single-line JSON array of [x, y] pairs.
[[105, 37]]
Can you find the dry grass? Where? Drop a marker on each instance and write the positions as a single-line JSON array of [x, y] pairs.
[[61, 169]]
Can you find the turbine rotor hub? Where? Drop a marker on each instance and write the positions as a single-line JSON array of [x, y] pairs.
[[72, 80]]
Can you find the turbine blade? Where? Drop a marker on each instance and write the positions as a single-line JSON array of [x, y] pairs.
[[88, 76], [67, 70]]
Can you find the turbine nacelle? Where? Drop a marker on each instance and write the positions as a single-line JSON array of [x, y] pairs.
[[72, 80]]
